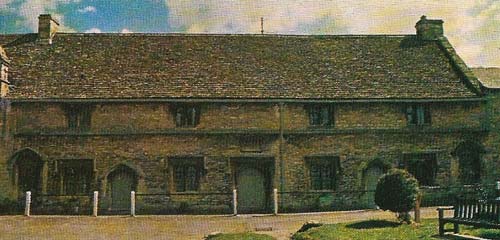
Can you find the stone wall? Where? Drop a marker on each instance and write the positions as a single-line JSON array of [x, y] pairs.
[[144, 136]]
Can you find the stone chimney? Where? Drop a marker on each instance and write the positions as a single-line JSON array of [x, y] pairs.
[[47, 28], [429, 29]]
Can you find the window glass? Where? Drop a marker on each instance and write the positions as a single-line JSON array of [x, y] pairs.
[[321, 115], [75, 176], [187, 173], [418, 115], [324, 172], [187, 116], [423, 166], [78, 116]]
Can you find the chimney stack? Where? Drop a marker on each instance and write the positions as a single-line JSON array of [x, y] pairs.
[[429, 29], [47, 28]]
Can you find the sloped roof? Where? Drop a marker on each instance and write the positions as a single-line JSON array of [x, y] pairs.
[[109, 66], [489, 77]]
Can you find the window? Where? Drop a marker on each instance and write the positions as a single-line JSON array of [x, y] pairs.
[[321, 115], [324, 172], [75, 176], [78, 117], [423, 166], [186, 115], [418, 115], [187, 173]]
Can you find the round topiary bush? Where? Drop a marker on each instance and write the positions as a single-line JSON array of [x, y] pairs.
[[397, 191]]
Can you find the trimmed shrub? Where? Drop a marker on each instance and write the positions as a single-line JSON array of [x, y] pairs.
[[397, 192], [10, 206]]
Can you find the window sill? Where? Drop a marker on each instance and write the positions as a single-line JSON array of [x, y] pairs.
[[419, 126], [186, 127], [430, 187], [321, 127], [322, 191], [185, 193]]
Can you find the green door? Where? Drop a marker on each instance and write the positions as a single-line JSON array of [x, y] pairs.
[[371, 179], [122, 183], [29, 175], [251, 187]]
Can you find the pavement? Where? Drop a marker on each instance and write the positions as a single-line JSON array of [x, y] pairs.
[[174, 226]]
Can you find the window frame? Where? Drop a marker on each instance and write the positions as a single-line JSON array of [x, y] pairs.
[[321, 115], [335, 172], [186, 115], [429, 169], [78, 117], [185, 163], [418, 115], [75, 176]]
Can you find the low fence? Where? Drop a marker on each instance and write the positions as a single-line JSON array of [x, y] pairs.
[[43, 204], [184, 203], [447, 196], [227, 202], [320, 201]]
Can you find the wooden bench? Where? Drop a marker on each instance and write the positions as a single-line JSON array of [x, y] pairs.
[[484, 214]]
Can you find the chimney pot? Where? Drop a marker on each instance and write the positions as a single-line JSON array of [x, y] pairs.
[[429, 29], [47, 28]]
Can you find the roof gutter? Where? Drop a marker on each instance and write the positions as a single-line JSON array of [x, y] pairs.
[[241, 100]]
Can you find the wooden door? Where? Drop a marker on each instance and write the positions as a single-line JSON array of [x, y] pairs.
[[372, 175], [251, 187], [123, 181], [29, 173]]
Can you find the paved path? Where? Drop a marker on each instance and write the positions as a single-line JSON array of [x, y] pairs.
[[172, 227]]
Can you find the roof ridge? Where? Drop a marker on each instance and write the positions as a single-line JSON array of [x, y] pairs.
[[176, 34]]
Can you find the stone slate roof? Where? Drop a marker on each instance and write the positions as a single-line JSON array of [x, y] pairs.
[[123, 66], [489, 77]]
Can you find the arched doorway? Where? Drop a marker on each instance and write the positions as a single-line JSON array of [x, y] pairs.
[[252, 192], [372, 175], [121, 181], [27, 166], [372, 172], [469, 155]]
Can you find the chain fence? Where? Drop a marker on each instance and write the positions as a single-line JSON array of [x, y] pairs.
[[224, 202]]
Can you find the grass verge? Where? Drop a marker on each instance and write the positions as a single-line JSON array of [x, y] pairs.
[[386, 230]]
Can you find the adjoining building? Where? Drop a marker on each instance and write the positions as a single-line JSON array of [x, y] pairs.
[[207, 113]]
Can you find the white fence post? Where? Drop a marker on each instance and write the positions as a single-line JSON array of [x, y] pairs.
[[27, 207], [275, 198], [96, 203], [235, 202], [132, 203], [498, 190]]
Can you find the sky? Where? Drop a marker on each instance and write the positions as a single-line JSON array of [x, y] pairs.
[[472, 26]]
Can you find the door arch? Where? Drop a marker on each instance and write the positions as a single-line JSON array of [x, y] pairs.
[[372, 171], [121, 181], [27, 167], [371, 176], [469, 154]]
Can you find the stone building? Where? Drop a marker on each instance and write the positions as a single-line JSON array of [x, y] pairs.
[[193, 116]]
